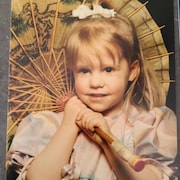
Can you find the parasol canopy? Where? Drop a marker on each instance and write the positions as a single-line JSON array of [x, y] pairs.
[[38, 73]]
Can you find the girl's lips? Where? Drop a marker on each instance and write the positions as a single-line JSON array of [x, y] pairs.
[[97, 95]]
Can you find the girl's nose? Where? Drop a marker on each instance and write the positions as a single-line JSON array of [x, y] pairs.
[[96, 81]]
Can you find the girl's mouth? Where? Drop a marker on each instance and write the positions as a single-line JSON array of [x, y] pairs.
[[97, 95]]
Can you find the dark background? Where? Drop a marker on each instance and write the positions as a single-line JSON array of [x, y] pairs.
[[163, 13]]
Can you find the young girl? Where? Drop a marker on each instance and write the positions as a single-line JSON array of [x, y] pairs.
[[115, 91]]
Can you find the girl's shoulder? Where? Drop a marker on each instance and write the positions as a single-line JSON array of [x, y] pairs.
[[157, 125], [164, 112], [155, 136], [164, 117], [35, 131], [153, 116], [165, 120], [42, 119]]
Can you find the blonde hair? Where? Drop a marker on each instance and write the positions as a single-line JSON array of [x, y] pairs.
[[103, 33]]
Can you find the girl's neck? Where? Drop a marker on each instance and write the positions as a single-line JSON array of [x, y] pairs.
[[112, 111]]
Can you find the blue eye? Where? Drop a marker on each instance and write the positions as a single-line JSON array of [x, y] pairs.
[[83, 71], [108, 69]]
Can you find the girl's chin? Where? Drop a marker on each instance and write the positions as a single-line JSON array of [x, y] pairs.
[[97, 109], [96, 106]]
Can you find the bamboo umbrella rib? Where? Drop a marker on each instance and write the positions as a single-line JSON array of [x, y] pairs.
[[14, 34], [56, 71], [51, 72], [23, 87], [37, 38], [26, 89], [32, 102], [28, 109], [57, 60], [151, 32], [68, 85], [49, 69], [136, 11], [55, 24], [84, 1], [66, 72], [37, 109], [167, 81], [20, 104], [38, 42], [40, 100], [66, 77], [30, 84], [56, 93], [24, 69], [21, 79], [24, 92], [37, 68], [13, 126], [159, 56]]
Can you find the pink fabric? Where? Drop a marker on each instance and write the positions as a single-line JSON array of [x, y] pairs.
[[151, 135]]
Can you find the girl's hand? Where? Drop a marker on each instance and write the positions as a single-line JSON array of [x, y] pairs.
[[89, 120], [73, 106]]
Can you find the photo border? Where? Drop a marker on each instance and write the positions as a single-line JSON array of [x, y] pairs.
[[5, 14], [177, 73], [5, 17]]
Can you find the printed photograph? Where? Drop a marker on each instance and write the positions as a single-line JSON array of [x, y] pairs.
[[91, 91]]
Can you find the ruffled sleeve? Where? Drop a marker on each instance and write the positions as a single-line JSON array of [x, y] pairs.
[[155, 135], [33, 134]]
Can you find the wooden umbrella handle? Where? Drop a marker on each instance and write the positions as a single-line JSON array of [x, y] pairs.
[[134, 161]]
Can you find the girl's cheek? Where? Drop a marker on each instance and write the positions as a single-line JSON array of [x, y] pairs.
[[80, 84]]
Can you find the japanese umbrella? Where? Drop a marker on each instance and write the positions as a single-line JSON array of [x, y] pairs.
[[38, 73]]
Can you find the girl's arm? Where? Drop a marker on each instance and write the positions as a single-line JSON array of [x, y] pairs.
[[89, 121], [48, 164]]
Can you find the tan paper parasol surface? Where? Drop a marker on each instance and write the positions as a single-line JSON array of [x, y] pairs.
[[38, 72]]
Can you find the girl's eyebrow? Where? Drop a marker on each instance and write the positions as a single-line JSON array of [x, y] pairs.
[[82, 66], [112, 64]]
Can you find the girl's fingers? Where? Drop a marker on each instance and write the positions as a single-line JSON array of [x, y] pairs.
[[83, 113], [89, 133], [74, 105], [88, 120]]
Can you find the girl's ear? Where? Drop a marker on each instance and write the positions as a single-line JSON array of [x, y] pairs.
[[134, 70]]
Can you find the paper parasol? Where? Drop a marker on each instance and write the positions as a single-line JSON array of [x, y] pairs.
[[38, 72]]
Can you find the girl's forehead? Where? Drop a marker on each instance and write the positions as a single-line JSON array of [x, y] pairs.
[[96, 60], [98, 55]]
